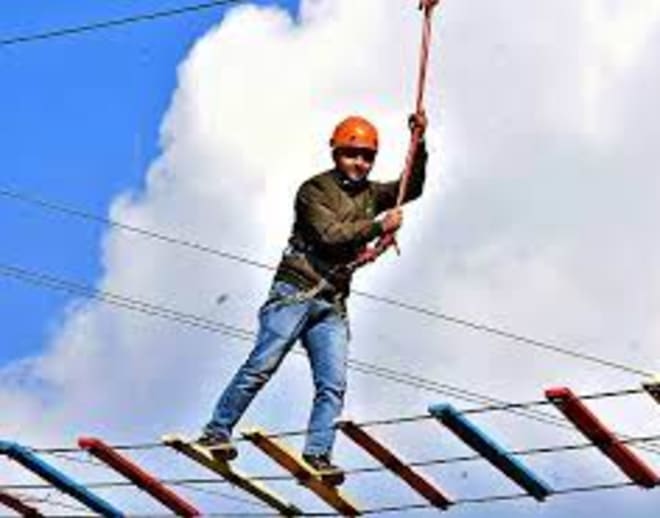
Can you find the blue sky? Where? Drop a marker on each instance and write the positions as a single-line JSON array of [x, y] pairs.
[[79, 124]]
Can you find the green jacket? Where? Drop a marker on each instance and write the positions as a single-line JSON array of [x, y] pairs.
[[334, 221]]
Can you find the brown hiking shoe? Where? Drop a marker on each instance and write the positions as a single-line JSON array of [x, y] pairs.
[[219, 446], [328, 472]]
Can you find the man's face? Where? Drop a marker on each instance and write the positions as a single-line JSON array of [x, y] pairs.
[[355, 162]]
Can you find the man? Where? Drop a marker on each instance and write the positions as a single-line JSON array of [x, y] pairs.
[[335, 218]]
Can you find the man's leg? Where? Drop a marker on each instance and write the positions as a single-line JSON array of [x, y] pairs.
[[326, 341], [280, 325]]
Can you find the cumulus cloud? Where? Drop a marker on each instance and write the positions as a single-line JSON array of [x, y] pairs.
[[539, 217]]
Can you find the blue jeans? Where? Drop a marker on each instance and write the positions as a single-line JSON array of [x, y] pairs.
[[324, 334]]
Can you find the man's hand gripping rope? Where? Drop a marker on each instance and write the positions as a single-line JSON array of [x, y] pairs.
[[393, 219]]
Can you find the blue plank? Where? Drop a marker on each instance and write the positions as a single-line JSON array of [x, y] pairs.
[[33, 463], [491, 451]]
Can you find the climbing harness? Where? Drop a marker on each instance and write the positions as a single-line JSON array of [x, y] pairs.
[[370, 254]]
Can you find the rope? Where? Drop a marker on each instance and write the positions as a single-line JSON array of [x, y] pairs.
[[370, 254], [419, 105]]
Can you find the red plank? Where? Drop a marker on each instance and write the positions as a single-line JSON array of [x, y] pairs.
[[138, 476], [602, 437], [15, 504], [392, 462]]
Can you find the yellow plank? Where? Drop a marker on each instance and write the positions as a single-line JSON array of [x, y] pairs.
[[304, 473], [392, 462], [204, 457]]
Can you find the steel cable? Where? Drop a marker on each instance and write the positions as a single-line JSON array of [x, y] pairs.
[[415, 308]]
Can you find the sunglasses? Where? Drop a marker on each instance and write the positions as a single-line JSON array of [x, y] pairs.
[[368, 155]]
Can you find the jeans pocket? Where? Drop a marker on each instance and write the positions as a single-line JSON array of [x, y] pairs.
[[280, 294]]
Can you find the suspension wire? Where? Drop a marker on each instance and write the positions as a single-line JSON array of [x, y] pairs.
[[50, 500], [111, 223], [545, 402], [520, 409], [230, 515], [466, 395], [223, 494], [71, 458], [115, 22], [500, 407], [531, 414], [592, 488], [415, 308], [502, 498], [151, 309], [242, 334], [126, 484], [487, 499], [146, 446], [214, 326], [360, 470], [509, 335], [528, 452]]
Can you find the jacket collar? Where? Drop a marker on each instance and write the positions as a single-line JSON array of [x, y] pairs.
[[348, 185]]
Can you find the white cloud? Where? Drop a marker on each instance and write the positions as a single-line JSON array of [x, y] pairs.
[[619, 33], [539, 216]]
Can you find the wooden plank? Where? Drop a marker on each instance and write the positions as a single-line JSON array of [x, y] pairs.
[[138, 476], [602, 437], [203, 456], [392, 462], [492, 451], [19, 507], [61, 481], [304, 473]]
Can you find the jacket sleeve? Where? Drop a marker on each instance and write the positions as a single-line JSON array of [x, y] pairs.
[[314, 210], [388, 192]]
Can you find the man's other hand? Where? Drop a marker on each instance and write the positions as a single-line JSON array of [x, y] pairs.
[[419, 122], [392, 220]]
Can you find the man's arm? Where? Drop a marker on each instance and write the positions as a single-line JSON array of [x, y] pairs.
[[388, 192]]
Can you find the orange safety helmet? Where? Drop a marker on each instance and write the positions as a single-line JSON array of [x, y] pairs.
[[355, 131]]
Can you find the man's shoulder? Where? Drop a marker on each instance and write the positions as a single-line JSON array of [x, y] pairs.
[[323, 181]]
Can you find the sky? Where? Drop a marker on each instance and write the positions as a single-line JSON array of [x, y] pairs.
[[539, 217], [80, 124]]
